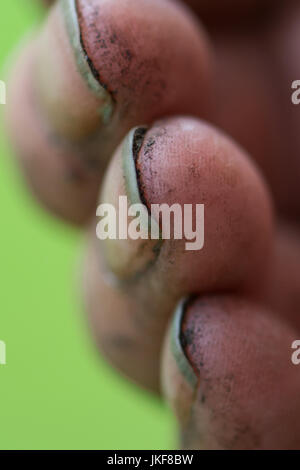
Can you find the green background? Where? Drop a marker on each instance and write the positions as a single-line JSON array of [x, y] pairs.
[[55, 391]]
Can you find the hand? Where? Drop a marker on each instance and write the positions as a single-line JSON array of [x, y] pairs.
[[99, 106]]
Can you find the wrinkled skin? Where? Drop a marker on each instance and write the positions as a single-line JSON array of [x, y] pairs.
[[112, 121]]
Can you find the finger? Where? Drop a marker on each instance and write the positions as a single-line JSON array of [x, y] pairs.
[[253, 83], [97, 69], [284, 45], [131, 286], [247, 106], [229, 376]]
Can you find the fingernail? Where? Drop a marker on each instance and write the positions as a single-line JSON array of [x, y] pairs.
[[67, 88], [177, 345], [130, 152], [126, 257], [84, 62], [179, 380]]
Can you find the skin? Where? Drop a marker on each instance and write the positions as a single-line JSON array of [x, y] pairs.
[[246, 69], [284, 36], [71, 104], [135, 290], [262, 62]]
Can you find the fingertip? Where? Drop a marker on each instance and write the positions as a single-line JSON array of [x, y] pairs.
[[246, 388]]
